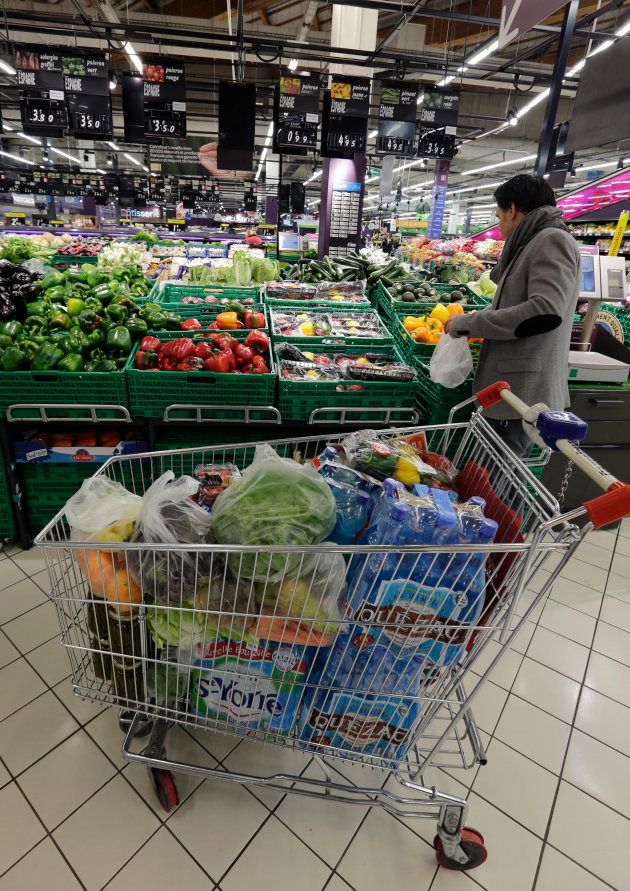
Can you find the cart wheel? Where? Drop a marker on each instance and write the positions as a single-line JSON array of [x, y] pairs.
[[472, 844], [164, 787], [144, 727]]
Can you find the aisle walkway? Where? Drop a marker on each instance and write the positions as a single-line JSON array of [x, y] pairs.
[[553, 802]]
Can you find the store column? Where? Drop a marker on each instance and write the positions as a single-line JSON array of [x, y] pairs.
[[438, 199], [341, 204]]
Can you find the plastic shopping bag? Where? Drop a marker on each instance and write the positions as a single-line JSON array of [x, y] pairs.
[[451, 362]]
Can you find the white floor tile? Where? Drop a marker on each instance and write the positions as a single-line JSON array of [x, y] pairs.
[[121, 822], [580, 597], [218, 744], [451, 880], [594, 553], [616, 612], [622, 545], [621, 565], [324, 826], [584, 573], [547, 689], [11, 573], [34, 730], [381, 842], [5, 776], [618, 586], [488, 705], [50, 661], [180, 747], [31, 561], [599, 770], [216, 823], [18, 598], [558, 652], [612, 642], [557, 872], [609, 677], [517, 786], [82, 709], [33, 628], [7, 651], [604, 719], [523, 638], [265, 760], [106, 733], [506, 669], [606, 539], [161, 863], [569, 622], [19, 684], [277, 859], [20, 829], [65, 778], [44, 865], [533, 732], [591, 834]]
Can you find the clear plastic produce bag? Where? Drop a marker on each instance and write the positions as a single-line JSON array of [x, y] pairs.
[[99, 504], [451, 362]]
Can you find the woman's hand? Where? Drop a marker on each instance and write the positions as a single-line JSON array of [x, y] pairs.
[[209, 159]]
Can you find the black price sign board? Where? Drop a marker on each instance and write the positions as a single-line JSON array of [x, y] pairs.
[[164, 92], [345, 119], [86, 84], [439, 108], [296, 113], [397, 118], [40, 82], [436, 144]]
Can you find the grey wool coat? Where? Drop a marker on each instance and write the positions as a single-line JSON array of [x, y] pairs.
[[527, 330]]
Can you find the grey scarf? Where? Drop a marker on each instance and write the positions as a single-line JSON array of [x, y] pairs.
[[534, 222]]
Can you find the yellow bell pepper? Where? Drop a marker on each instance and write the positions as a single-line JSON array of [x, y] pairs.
[[440, 312], [412, 322], [307, 329], [406, 472]]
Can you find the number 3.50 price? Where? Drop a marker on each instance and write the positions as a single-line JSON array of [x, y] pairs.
[[162, 126]]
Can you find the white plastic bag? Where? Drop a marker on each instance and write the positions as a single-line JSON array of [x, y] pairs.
[[451, 362], [99, 503]]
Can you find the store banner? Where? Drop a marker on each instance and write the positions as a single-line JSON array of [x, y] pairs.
[[397, 118], [296, 113], [40, 82], [164, 95], [345, 116], [438, 199], [386, 179]]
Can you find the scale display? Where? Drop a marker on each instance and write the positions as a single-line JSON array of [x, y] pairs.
[[296, 113], [397, 118], [164, 98]]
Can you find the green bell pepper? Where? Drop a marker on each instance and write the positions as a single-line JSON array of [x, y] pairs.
[[119, 339], [75, 306], [5, 341], [56, 337], [34, 324], [94, 277], [13, 359], [47, 357], [106, 324], [117, 313], [96, 338], [52, 279], [71, 362], [11, 328], [75, 342], [121, 361], [173, 322], [37, 308], [136, 326], [30, 348], [55, 294], [89, 320], [235, 306], [123, 299], [75, 275], [60, 320], [156, 319], [100, 365], [94, 304]]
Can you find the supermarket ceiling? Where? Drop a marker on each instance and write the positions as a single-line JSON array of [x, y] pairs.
[[430, 41]]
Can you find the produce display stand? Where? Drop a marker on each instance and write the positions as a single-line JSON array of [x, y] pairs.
[[156, 684], [389, 305], [62, 261], [168, 294]]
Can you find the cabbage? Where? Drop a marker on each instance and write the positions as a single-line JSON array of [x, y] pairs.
[[488, 287]]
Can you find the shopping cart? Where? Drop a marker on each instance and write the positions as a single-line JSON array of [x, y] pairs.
[[404, 715]]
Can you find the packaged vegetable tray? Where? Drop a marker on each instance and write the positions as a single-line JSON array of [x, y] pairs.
[[151, 392], [303, 389], [174, 294], [321, 326], [339, 295]]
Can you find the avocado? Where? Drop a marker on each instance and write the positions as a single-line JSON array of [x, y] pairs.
[[456, 295]]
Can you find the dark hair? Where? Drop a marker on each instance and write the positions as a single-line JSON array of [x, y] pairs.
[[525, 192]]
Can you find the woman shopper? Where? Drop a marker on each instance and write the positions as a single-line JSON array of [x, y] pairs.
[[527, 330]]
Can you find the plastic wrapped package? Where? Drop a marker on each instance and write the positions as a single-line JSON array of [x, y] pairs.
[[276, 502], [406, 459]]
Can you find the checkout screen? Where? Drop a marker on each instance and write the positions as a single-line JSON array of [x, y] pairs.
[[587, 274]]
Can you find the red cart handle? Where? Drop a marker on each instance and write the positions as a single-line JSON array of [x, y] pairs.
[[613, 505], [492, 394]]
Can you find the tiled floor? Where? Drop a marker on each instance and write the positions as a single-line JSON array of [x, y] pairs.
[[553, 802]]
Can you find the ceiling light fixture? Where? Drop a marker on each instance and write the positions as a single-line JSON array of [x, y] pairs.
[[135, 59], [372, 134], [32, 139], [507, 163], [132, 159], [312, 178], [8, 69], [65, 155], [293, 64], [17, 158], [114, 146]]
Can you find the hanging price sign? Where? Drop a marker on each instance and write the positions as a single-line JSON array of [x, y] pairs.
[[86, 84], [397, 118], [40, 82], [345, 118], [296, 113], [164, 92]]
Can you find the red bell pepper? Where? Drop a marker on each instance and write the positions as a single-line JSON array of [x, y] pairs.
[[257, 341], [178, 349], [223, 341], [242, 354], [191, 325], [259, 361], [150, 343], [203, 350], [254, 319], [259, 369], [190, 363], [213, 326], [167, 363], [146, 359]]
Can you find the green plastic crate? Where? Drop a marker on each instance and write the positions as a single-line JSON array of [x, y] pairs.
[[202, 437], [330, 305], [7, 519], [297, 399], [330, 340], [436, 401], [63, 388], [47, 488], [388, 306], [207, 312], [65, 260], [152, 392], [413, 351], [168, 293]]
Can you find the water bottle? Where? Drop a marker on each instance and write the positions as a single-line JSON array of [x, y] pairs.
[[353, 510], [436, 522], [472, 577], [392, 526]]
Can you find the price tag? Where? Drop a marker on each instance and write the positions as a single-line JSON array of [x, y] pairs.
[[164, 97], [436, 145], [397, 118], [296, 112], [42, 113]]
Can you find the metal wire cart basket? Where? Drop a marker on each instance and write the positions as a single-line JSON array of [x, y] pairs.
[[388, 681]]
